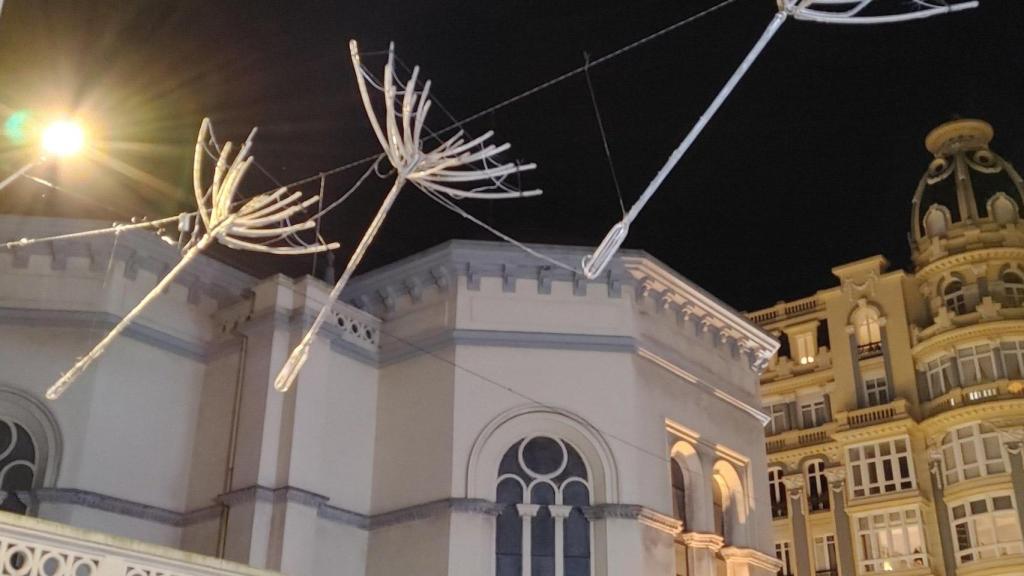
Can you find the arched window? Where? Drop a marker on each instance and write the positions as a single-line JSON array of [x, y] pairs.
[[546, 480], [953, 297], [817, 486], [777, 493], [1013, 290], [678, 492], [867, 330], [17, 465], [972, 451]]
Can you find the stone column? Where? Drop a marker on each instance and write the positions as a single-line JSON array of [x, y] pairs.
[[527, 512], [701, 550], [797, 516], [844, 539], [941, 510], [559, 513], [858, 381]]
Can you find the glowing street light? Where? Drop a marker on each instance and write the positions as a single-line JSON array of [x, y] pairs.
[[60, 139]]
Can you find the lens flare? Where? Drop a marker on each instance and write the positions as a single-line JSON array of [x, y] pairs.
[[63, 138]]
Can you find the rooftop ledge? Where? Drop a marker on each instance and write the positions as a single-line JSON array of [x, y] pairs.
[[52, 548]]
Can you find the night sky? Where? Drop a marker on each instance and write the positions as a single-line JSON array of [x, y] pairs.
[[811, 163]]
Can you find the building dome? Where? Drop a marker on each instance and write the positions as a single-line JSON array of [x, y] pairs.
[[967, 187]]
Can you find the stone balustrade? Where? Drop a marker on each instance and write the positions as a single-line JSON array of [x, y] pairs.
[[33, 547]]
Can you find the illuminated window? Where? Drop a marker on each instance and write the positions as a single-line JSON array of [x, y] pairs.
[[953, 297], [1013, 290], [868, 330], [782, 552], [880, 468], [777, 493], [876, 391], [985, 527], [891, 541], [825, 561], [977, 364], [1013, 358], [972, 451], [805, 349], [817, 486], [940, 373]]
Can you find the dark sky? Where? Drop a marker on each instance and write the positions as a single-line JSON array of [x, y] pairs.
[[810, 164]]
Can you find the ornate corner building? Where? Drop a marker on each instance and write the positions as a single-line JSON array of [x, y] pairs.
[[897, 398]]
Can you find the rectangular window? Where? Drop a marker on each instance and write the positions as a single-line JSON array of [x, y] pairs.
[[825, 555], [977, 364], [890, 541], [782, 553], [876, 391], [940, 379], [805, 347], [779, 414], [813, 414], [985, 527], [880, 468], [1013, 358]]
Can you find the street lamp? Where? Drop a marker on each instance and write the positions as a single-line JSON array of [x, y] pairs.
[[60, 139]]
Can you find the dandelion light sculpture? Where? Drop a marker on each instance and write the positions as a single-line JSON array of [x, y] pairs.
[[454, 162], [257, 224], [822, 11]]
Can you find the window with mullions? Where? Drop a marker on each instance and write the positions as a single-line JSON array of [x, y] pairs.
[[940, 377], [813, 414], [777, 493], [782, 552], [817, 486], [985, 527], [1013, 358], [977, 364], [868, 331], [880, 468], [825, 562], [972, 451], [890, 541], [1013, 290], [779, 422], [544, 479], [876, 391], [17, 465], [953, 297]]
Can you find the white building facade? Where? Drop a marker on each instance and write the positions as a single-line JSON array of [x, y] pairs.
[[468, 412]]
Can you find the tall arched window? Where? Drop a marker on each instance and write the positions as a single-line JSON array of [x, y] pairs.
[[777, 493], [1013, 290], [817, 486], [972, 451], [678, 492], [718, 506], [868, 330], [544, 480], [17, 465], [953, 297]]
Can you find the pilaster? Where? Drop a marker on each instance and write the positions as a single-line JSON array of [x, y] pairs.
[[798, 518], [844, 539], [701, 551]]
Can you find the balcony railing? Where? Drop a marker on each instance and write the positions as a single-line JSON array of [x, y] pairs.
[[33, 547], [869, 350], [873, 415], [818, 502], [800, 438], [977, 394], [779, 509], [785, 310]]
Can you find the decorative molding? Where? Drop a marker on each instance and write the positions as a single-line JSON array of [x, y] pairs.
[[273, 495], [701, 540], [641, 514], [112, 504], [750, 557]]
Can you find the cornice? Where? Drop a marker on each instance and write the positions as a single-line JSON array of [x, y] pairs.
[[869, 504], [750, 557], [972, 256], [987, 330], [991, 411], [904, 425]]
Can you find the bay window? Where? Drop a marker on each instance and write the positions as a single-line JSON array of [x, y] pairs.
[[891, 540], [880, 468], [940, 377], [985, 527], [977, 364], [1013, 358], [972, 451]]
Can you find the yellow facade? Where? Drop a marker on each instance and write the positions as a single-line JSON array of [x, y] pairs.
[[897, 399]]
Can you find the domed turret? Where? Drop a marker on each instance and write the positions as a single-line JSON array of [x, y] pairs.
[[969, 197]]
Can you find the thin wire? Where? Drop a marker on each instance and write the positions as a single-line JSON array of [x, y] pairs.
[[604, 137], [583, 68], [458, 210], [748, 494]]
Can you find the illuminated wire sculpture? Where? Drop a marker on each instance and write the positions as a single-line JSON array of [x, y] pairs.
[[824, 11], [257, 224], [459, 160]]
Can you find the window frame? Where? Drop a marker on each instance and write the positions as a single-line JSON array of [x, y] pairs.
[[1012, 352], [969, 364], [967, 524], [819, 497], [827, 551], [955, 301], [952, 449], [866, 466], [939, 371], [778, 500], [1013, 290], [813, 413], [878, 558], [778, 410], [784, 553], [876, 390]]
